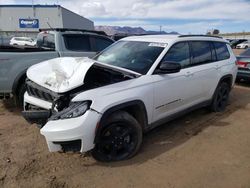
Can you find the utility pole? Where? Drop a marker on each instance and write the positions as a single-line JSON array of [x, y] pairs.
[[160, 28]]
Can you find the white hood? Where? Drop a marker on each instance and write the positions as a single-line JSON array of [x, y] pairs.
[[63, 74]]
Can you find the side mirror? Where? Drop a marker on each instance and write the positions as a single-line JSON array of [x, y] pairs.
[[168, 67]]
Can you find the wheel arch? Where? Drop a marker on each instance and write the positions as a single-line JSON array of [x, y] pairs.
[[135, 108], [21, 77], [228, 79]]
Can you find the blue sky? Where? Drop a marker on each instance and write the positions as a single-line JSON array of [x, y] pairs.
[[183, 16]]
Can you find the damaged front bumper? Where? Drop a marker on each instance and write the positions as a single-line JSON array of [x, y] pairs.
[[36, 110], [75, 134], [60, 132]]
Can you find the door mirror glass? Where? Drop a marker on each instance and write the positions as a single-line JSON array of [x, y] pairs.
[[168, 67]]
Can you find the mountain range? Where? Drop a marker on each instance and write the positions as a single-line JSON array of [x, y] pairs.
[[112, 30]]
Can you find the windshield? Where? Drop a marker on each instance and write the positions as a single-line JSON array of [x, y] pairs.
[[132, 55]]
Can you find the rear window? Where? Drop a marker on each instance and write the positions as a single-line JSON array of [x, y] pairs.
[[201, 52], [46, 40], [221, 51], [77, 42], [101, 43]]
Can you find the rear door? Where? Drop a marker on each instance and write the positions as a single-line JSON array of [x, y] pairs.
[[204, 71]]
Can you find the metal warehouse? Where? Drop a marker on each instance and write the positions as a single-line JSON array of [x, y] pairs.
[[27, 19]]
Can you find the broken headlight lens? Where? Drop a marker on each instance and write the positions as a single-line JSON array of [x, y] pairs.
[[74, 110]]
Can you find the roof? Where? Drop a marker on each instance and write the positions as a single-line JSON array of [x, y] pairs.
[[30, 6], [172, 38]]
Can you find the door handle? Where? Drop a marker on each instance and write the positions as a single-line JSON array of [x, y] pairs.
[[217, 67], [188, 74]]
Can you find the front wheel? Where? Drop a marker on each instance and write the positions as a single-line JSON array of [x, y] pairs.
[[120, 138], [220, 98]]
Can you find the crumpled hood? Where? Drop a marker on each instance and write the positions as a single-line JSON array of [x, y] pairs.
[[66, 73]]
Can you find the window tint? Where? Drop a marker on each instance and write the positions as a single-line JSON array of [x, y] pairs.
[[221, 51], [101, 43], [201, 52], [178, 53], [46, 41], [214, 58], [77, 42]]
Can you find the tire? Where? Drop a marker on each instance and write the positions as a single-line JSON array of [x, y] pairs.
[[246, 47], [20, 95], [119, 139], [220, 98]]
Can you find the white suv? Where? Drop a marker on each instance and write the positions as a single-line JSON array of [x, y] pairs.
[[22, 41], [243, 45], [105, 104]]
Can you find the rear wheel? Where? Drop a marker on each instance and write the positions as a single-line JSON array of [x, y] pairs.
[[119, 139], [221, 96]]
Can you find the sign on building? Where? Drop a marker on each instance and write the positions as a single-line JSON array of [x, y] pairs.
[[28, 23]]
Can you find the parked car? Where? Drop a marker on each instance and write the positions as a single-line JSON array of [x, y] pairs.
[[106, 103], [235, 42], [243, 45], [51, 43], [22, 41], [243, 62]]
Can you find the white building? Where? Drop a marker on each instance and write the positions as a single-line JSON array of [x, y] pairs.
[[27, 19]]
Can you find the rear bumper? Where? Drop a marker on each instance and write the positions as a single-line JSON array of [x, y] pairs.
[[243, 74]]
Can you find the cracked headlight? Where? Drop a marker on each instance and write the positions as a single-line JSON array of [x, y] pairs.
[[74, 110]]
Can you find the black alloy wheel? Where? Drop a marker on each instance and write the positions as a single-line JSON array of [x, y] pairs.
[[221, 97], [120, 139]]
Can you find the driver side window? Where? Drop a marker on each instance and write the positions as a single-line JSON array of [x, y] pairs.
[[178, 53]]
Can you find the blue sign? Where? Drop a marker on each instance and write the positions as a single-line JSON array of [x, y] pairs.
[[28, 23]]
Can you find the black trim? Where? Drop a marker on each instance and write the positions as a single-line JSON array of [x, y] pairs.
[[39, 117], [73, 145], [177, 100], [182, 36]]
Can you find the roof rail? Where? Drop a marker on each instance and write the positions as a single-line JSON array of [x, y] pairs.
[[181, 36], [68, 29]]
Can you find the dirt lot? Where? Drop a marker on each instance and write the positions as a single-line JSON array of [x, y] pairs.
[[201, 149]]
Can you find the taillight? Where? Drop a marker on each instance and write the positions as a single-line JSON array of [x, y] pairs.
[[242, 64]]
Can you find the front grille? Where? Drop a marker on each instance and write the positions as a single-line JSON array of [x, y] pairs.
[[40, 92]]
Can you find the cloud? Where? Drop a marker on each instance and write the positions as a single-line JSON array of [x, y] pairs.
[[6, 2], [169, 9], [181, 15]]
